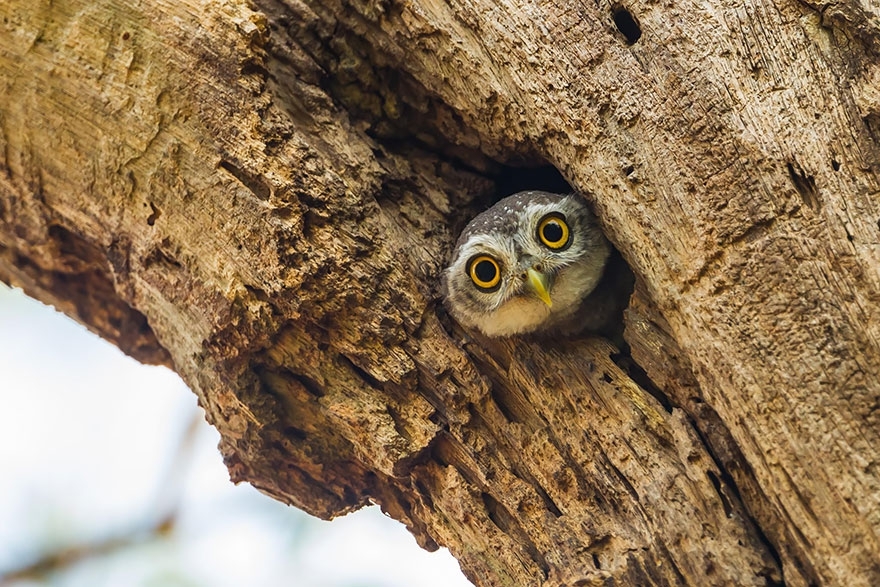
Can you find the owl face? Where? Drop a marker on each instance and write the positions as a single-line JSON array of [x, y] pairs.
[[525, 264]]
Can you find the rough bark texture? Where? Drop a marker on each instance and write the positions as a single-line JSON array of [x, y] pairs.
[[262, 196]]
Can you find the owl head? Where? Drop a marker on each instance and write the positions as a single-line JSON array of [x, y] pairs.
[[525, 265]]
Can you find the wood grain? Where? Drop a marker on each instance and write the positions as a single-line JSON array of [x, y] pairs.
[[264, 197]]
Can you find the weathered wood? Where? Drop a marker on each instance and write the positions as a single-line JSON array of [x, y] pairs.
[[264, 200]]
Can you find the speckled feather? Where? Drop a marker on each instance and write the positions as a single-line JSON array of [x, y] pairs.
[[496, 220]]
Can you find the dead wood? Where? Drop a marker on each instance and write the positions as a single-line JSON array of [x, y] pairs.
[[263, 197]]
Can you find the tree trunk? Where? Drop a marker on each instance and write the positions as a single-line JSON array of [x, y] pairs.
[[263, 196]]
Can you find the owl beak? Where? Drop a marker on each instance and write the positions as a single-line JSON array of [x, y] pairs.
[[539, 284]]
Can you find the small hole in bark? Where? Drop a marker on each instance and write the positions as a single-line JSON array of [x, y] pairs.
[[258, 293], [253, 66], [310, 385], [548, 501], [626, 24], [295, 433], [640, 376], [257, 184], [161, 255], [607, 378], [126, 36], [716, 483], [835, 165], [154, 215], [804, 183], [424, 494], [497, 512], [596, 562], [503, 401], [368, 378]]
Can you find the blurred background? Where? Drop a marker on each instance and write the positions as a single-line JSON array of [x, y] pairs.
[[109, 475]]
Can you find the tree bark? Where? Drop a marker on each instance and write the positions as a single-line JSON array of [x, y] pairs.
[[263, 196]]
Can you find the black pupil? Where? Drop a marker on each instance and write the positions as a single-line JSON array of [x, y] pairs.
[[552, 232], [485, 271]]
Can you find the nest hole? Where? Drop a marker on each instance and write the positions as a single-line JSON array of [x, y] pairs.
[[627, 25]]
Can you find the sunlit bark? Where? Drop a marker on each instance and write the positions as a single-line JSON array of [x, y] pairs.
[[263, 195]]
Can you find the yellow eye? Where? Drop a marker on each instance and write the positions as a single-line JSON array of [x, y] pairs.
[[553, 231], [484, 272]]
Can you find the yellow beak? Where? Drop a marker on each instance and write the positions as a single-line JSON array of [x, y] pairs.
[[539, 284]]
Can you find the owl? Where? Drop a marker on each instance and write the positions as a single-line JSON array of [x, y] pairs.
[[526, 264]]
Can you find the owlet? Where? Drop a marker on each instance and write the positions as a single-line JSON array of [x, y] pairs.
[[527, 264]]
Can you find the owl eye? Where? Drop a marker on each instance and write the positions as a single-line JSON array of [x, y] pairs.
[[484, 272], [553, 231]]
